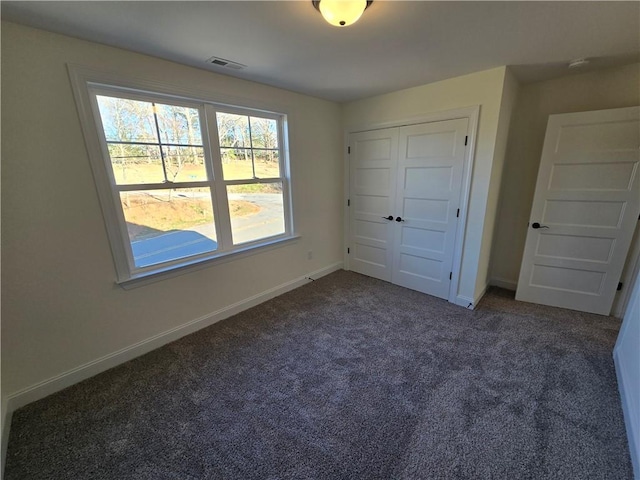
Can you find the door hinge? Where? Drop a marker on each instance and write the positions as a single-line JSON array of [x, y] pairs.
[[450, 275], [458, 213], [619, 285], [348, 250], [349, 150], [348, 202], [466, 139]]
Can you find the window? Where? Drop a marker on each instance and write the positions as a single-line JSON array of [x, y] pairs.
[[189, 180]]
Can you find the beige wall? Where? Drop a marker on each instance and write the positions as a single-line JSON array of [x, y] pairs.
[[60, 306], [482, 88], [603, 89]]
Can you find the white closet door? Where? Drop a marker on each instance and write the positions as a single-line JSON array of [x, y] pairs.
[[373, 169], [584, 211], [430, 167]]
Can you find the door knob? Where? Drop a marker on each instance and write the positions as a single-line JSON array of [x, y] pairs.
[[537, 225], [390, 217], [398, 219]]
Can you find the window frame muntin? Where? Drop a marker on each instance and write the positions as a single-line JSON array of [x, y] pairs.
[[127, 273]]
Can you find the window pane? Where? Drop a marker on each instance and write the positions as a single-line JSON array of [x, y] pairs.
[[179, 124], [256, 210], [185, 164], [136, 163], [267, 163], [264, 133], [233, 130], [127, 120], [165, 225], [237, 164]]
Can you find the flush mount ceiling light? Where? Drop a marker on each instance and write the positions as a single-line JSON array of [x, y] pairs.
[[341, 13]]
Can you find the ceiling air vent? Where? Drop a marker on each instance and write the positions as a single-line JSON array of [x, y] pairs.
[[221, 62]]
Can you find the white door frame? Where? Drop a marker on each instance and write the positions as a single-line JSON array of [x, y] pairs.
[[472, 113]]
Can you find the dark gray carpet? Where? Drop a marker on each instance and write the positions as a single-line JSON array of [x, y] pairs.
[[346, 378]]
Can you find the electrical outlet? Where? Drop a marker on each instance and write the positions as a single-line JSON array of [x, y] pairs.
[[310, 255]]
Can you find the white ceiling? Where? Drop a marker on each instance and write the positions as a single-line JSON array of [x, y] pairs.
[[395, 45]]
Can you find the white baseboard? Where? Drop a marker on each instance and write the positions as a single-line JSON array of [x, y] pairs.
[[90, 369], [466, 302], [632, 423], [504, 283], [470, 303]]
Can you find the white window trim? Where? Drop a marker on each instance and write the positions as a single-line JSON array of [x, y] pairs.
[[86, 83]]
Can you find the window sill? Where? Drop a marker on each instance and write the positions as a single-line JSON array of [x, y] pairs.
[[163, 273]]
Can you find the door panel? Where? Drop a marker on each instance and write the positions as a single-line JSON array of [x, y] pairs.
[[372, 178], [420, 267], [575, 247], [581, 212], [588, 198], [592, 176], [430, 165]]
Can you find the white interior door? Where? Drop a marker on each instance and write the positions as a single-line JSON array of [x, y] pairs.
[[372, 178], [584, 212], [430, 165]]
